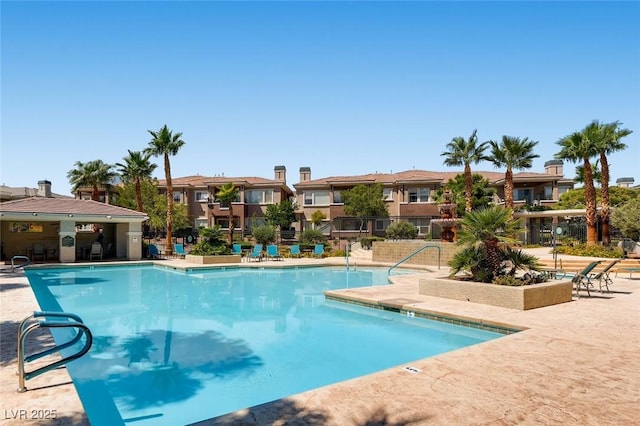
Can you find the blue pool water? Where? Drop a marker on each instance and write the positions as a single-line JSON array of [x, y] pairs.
[[174, 347]]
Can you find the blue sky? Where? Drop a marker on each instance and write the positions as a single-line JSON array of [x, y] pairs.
[[345, 88]]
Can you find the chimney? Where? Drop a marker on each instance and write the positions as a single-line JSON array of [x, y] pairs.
[[553, 167], [280, 173], [305, 174], [625, 182], [44, 188]]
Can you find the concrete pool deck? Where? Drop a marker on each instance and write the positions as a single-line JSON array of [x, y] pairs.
[[576, 363]]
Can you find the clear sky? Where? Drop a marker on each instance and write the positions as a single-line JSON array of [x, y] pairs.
[[345, 88]]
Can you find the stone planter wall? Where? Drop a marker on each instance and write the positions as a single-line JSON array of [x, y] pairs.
[[522, 297], [210, 260], [394, 251]]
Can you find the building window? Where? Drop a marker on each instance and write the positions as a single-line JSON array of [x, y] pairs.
[[337, 197], [548, 192], [422, 224], [523, 194], [382, 224], [350, 225], [418, 195], [387, 194], [562, 189], [316, 198], [202, 196], [177, 196], [201, 222], [259, 196], [223, 222]]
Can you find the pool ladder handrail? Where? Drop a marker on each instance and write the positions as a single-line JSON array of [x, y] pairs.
[[14, 258], [413, 254], [32, 323]]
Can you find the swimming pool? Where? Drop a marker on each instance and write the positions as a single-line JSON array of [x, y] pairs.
[[175, 347]]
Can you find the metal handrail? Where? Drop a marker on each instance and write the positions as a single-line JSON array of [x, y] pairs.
[[14, 258], [413, 254], [30, 324]]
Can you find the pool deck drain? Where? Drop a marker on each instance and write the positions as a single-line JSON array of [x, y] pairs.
[[588, 347]]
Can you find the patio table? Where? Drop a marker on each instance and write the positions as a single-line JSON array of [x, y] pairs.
[[629, 270]]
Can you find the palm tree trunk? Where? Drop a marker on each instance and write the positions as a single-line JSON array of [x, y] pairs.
[[590, 200], [467, 187], [508, 189], [95, 195], [167, 172], [230, 223], [606, 231], [138, 194]]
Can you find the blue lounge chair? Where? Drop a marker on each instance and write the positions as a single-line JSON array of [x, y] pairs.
[[318, 250], [154, 253], [294, 250], [256, 253], [272, 252], [178, 250], [237, 249]]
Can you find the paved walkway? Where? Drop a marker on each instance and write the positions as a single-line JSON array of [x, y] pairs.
[[576, 364]]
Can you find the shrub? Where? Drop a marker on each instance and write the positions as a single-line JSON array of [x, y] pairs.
[[211, 243], [312, 236], [366, 242], [591, 251], [402, 231], [264, 234]]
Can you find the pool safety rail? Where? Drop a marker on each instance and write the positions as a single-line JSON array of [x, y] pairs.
[[401, 261], [13, 262], [48, 320]]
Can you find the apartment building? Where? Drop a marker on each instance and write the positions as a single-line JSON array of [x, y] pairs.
[[199, 193], [410, 195]]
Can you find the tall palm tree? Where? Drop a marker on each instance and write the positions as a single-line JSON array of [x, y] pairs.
[[227, 195], [608, 142], [574, 148], [464, 152], [164, 143], [136, 168], [94, 174], [512, 153]]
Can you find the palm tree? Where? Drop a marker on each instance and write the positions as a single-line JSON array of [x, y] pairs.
[[136, 168], [574, 148], [464, 152], [94, 174], [512, 153], [608, 142], [164, 143], [482, 232], [227, 194]]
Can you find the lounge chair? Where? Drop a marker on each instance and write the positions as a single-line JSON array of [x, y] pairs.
[[318, 250], [272, 252], [237, 249], [294, 250], [582, 281], [178, 250], [96, 251], [154, 253], [603, 276], [38, 250], [256, 253]]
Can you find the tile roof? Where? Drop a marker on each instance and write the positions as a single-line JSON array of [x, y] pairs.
[[73, 206], [218, 180]]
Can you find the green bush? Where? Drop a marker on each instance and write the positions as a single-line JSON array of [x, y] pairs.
[[402, 230], [264, 234], [590, 251], [366, 242], [211, 243], [312, 236]]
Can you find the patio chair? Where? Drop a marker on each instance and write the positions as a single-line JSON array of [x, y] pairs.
[[154, 253], [318, 250], [178, 250], [236, 249], [582, 281], [256, 253], [96, 251], [294, 250], [272, 252], [603, 276], [38, 250]]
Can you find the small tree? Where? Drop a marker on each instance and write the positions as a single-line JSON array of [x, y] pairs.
[[312, 236], [402, 231], [211, 243], [481, 193], [264, 234], [317, 217], [282, 214], [227, 195], [625, 218], [364, 202]]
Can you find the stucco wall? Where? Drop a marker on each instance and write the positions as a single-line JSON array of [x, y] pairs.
[[394, 251]]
